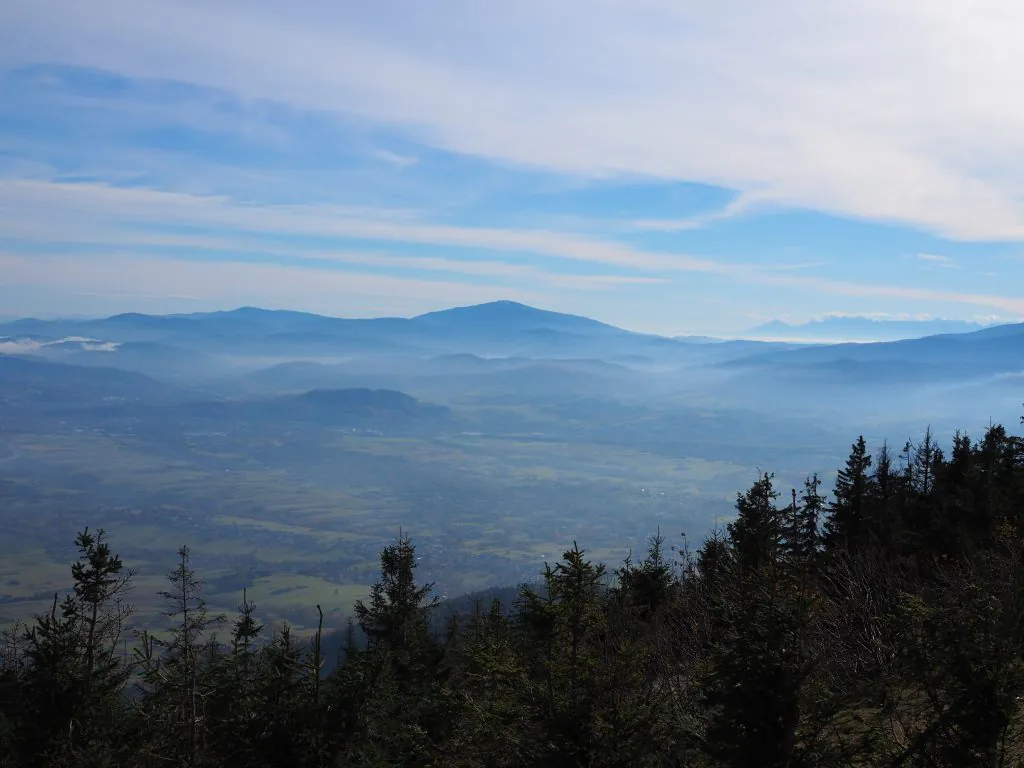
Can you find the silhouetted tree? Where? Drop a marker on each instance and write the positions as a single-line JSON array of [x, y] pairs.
[[845, 526]]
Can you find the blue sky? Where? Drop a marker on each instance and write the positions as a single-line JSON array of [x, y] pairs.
[[669, 166]]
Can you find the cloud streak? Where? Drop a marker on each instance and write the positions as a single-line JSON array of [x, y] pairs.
[[211, 284], [853, 108], [938, 260], [119, 218], [28, 204], [737, 207]]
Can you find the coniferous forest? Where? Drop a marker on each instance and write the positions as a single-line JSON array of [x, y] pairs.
[[876, 623]]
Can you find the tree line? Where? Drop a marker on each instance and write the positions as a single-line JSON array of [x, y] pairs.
[[880, 624]]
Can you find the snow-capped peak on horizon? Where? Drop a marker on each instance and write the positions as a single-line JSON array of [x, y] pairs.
[[850, 328]]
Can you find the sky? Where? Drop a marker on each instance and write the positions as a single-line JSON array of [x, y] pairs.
[[668, 166]]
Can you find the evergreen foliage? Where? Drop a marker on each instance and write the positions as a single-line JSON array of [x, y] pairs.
[[881, 627]]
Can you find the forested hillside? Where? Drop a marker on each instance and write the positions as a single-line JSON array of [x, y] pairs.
[[879, 623]]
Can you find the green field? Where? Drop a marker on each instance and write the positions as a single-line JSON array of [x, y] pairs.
[[482, 510], [297, 512]]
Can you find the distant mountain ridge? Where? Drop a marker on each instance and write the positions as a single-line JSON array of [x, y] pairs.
[[359, 407], [859, 329], [505, 312], [26, 378], [497, 329], [493, 347], [955, 356]]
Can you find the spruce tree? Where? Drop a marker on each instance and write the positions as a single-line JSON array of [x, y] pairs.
[[762, 686], [285, 711], [12, 670], [102, 584], [648, 585], [398, 704], [75, 671], [885, 507], [171, 674], [845, 527], [52, 690], [758, 530], [487, 694], [233, 706], [395, 619], [562, 623], [802, 534]]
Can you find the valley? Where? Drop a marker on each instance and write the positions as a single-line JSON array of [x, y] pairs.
[[286, 476]]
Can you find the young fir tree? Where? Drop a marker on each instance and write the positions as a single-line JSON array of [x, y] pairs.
[[713, 563], [76, 672], [641, 632], [291, 730], [885, 505], [398, 703], [12, 670], [999, 480], [845, 527], [561, 624], [52, 684], [802, 535], [172, 682], [743, 689], [925, 527], [233, 705], [647, 586], [758, 530], [761, 686], [487, 694], [102, 584]]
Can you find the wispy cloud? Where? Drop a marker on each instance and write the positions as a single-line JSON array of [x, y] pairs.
[[20, 346], [476, 267], [624, 160], [26, 207], [214, 284], [396, 160], [1011, 304], [937, 260], [46, 212], [853, 108], [907, 316], [737, 207], [800, 266]]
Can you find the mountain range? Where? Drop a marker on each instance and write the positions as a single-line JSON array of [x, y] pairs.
[[276, 434], [858, 329], [497, 348], [214, 342], [500, 329]]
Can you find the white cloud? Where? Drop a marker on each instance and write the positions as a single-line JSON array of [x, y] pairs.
[[215, 284], [16, 346], [993, 319], [1010, 304], [99, 213], [896, 111], [29, 208], [938, 260], [910, 316], [392, 158], [741, 205], [477, 267]]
